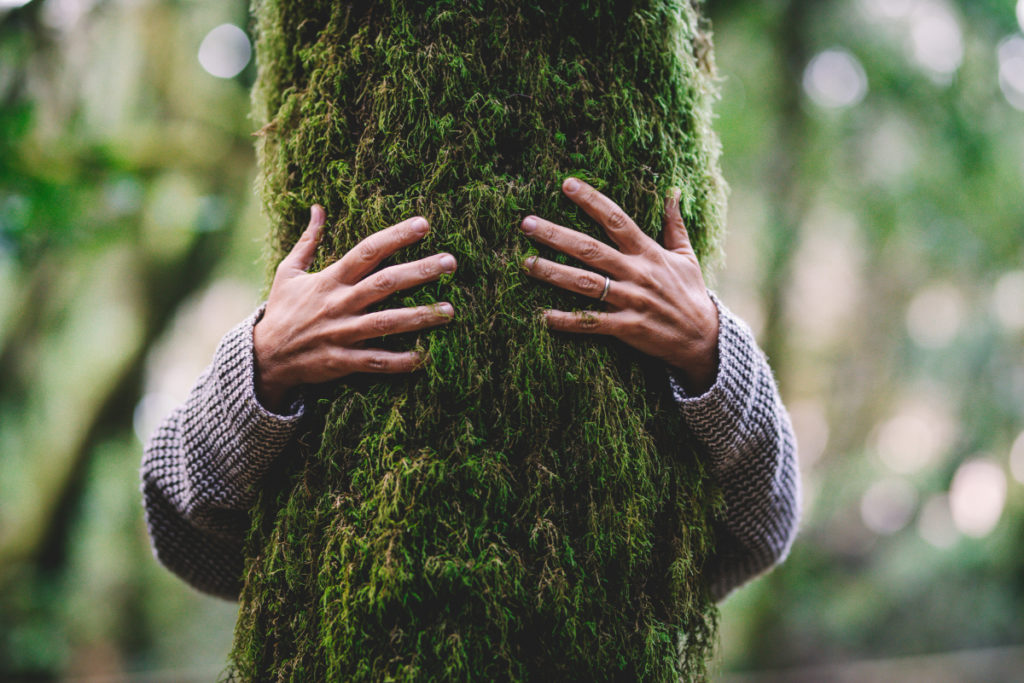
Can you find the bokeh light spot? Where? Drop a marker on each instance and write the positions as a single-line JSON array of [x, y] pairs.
[[225, 51], [977, 497], [936, 40], [887, 506], [914, 438], [835, 79], [1011, 70]]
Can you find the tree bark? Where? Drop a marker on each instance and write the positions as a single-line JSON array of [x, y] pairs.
[[530, 506]]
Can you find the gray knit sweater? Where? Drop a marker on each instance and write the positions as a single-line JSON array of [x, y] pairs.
[[202, 465]]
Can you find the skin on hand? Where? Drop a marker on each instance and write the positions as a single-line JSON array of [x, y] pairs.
[[657, 300], [315, 325]]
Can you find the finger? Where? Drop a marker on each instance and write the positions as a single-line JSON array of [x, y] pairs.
[[675, 235], [367, 255], [397, 321], [301, 255], [377, 361], [590, 322], [576, 244], [620, 227], [383, 284], [577, 280]]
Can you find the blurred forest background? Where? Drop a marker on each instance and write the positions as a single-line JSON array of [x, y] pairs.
[[875, 150]]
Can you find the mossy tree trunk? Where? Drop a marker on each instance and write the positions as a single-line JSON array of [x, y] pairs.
[[529, 507]]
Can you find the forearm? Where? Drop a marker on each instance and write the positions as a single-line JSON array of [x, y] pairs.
[[746, 435], [202, 465]]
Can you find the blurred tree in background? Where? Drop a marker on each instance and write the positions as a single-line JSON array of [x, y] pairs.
[[125, 198], [876, 153]]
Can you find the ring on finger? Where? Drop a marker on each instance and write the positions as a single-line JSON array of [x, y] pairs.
[[607, 286]]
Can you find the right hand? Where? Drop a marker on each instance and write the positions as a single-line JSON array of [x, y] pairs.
[[315, 324]]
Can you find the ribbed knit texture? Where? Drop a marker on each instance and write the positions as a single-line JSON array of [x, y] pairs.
[[202, 464], [745, 431], [201, 467]]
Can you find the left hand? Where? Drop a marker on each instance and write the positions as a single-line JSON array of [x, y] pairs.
[[658, 302]]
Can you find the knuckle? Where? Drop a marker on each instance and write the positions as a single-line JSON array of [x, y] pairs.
[[589, 250], [368, 250], [588, 321], [427, 268], [633, 325], [384, 281], [586, 283], [378, 362], [617, 219], [342, 301], [384, 322], [642, 301], [338, 363], [650, 278]]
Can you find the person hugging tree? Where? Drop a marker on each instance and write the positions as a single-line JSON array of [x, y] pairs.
[[492, 478]]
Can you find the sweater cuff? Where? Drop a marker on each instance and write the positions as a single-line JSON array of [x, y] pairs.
[[242, 436], [716, 416]]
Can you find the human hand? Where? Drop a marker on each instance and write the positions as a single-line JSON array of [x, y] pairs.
[[657, 298], [315, 324]]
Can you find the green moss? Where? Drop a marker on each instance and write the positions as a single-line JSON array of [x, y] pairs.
[[528, 507]]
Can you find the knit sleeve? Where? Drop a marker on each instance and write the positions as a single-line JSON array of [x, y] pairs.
[[744, 430], [201, 467]]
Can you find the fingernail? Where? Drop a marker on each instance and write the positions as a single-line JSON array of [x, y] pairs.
[[529, 224], [571, 185], [317, 214], [448, 263], [446, 309], [528, 263], [420, 226]]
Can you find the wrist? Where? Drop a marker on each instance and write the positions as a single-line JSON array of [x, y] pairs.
[[696, 363], [696, 374], [270, 385]]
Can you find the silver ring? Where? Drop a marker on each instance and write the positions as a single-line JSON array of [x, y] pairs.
[[607, 286]]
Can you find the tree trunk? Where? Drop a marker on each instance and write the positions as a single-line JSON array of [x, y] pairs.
[[529, 507]]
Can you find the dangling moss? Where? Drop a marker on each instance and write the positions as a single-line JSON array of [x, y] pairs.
[[529, 507]]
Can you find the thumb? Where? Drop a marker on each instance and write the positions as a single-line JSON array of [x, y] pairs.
[[674, 231], [301, 255]]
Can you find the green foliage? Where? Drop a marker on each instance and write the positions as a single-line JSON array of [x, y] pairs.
[[529, 507]]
